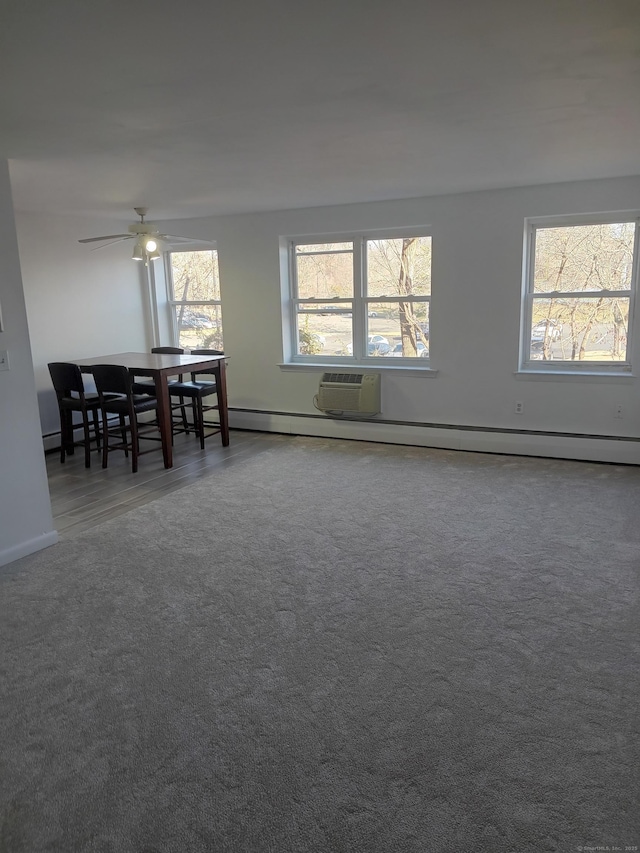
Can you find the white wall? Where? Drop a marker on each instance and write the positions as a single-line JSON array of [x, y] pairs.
[[79, 302], [477, 276], [25, 511], [83, 303]]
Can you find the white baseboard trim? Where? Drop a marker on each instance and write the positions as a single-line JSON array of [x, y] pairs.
[[28, 547], [51, 441], [589, 448]]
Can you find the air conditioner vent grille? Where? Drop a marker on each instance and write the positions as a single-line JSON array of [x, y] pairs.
[[349, 392], [343, 377]]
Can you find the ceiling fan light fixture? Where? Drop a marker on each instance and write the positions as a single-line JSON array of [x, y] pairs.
[[139, 250], [146, 249]]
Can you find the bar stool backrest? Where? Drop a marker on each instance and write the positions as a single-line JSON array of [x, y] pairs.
[[112, 379], [66, 378], [205, 352]]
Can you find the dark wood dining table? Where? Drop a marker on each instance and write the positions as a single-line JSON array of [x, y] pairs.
[[160, 366]]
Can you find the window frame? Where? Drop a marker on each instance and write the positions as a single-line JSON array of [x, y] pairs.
[[359, 301], [173, 303], [575, 367]]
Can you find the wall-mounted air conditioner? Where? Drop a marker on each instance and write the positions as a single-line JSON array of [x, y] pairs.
[[349, 392]]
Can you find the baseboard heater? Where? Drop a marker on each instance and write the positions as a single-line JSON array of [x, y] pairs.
[[634, 439], [349, 392]]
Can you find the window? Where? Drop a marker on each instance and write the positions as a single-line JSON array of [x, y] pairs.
[[194, 294], [581, 280], [361, 299]]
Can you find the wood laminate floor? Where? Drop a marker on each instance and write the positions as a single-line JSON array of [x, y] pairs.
[[81, 498]]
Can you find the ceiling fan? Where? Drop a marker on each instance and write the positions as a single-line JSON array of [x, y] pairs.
[[149, 241]]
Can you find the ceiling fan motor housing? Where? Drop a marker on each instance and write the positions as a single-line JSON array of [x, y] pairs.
[[143, 228]]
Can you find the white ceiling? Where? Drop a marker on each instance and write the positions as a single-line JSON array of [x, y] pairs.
[[200, 108]]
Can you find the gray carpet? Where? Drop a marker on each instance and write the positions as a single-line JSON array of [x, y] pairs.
[[333, 647]]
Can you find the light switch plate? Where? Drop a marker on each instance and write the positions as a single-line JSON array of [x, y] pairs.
[[4, 359]]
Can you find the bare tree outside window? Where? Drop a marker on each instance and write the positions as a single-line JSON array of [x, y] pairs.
[[402, 267], [378, 289], [580, 292], [195, 296]]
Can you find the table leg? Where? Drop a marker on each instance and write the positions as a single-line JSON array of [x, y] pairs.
[[222, 403], [164, 418], [68, 437]]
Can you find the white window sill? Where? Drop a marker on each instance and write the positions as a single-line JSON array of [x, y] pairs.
[[400, 370], [574, 375]]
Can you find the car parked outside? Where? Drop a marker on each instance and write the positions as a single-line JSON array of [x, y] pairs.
[[378, 345], [423, 352], [378, 349], [536, 352], [193, 320], [550, 327]]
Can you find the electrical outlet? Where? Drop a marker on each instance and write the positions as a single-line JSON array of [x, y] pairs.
[[4, 360], [617, 412], [519, 407]]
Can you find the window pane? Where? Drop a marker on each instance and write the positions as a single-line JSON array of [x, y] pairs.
[[398, 330], [199, 326], [327, 274], [195, 275], [584, 258], [325, 333], [399, 267], [589, 329]]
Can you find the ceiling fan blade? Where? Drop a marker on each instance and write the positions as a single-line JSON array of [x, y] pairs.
[[187, 239], [106, 237], [111, 242]]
